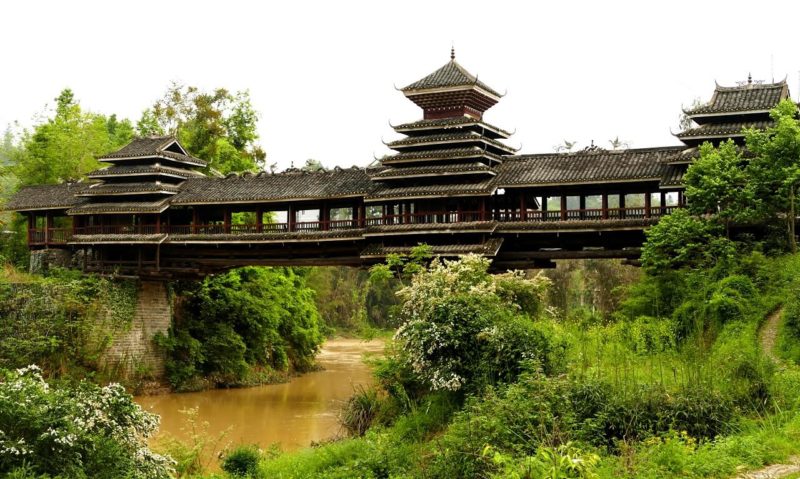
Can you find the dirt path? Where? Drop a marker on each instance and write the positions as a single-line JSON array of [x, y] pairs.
[[775, 471], [766, 339], [769, 334]]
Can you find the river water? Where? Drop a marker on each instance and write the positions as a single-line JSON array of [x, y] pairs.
[[291, 414]]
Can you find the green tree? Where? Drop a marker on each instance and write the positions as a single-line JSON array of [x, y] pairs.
[[218, 126], [717, 183], [682, 240], [775, 167], [65, 146]]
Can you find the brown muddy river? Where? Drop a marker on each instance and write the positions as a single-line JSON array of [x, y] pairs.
[[292, 414]]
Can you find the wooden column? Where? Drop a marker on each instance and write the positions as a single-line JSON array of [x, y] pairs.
[[325, 216], [259, 220], [226, 220], [195, 220], [158, 224], [482, 209], [361, 208], [48, 224], [582, 206], [523, 208], [647, 204], [621, 205], [605, 206], [290, 219], [663, 203], [563, 207]]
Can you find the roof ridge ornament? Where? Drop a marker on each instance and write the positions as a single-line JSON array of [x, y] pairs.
[[452, 53]]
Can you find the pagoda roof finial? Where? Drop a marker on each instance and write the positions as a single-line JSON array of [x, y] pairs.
[[452, 52], [749, 78]]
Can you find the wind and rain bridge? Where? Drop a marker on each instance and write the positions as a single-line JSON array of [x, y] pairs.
[[157, 212]]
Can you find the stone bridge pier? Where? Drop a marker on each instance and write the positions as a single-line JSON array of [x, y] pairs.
[[134, 350]]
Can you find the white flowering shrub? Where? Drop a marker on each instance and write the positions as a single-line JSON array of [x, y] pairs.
[[79, 430], [465, 328]]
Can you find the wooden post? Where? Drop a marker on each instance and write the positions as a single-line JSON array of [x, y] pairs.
[[48, 224], [647, 204], [362, 214], [158, 224], [195, 220], [259, 220], [482, 209], [563, 207], [582, 206], [605, 206], [226, 220], [325, 216], [663, 203], [621, 205], [290, 219], [523, 208]]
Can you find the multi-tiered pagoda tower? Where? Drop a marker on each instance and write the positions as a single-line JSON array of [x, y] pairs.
[[130, 195], [451, 152]]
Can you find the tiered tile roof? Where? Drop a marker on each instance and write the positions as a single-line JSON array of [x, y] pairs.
[[732, 109], [750, 97], [144, 174]]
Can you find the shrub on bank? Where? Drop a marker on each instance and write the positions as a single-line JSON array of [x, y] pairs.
[[79, 430], [233, 327]]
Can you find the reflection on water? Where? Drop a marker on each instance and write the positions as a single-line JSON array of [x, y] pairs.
[[291, 414]]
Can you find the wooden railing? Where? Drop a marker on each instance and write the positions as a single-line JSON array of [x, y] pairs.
[[56, 236], [52, 236]]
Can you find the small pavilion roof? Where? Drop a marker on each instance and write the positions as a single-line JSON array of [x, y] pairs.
[[750, 97], [166, 147], [451, 75]]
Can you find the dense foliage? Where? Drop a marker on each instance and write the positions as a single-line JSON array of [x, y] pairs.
[[242, 327], [74, 431], [63, 322]]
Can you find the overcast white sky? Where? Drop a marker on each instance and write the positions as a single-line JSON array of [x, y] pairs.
[[322, 73]]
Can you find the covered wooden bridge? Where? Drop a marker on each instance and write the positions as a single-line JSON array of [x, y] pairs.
[[452, 183]]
